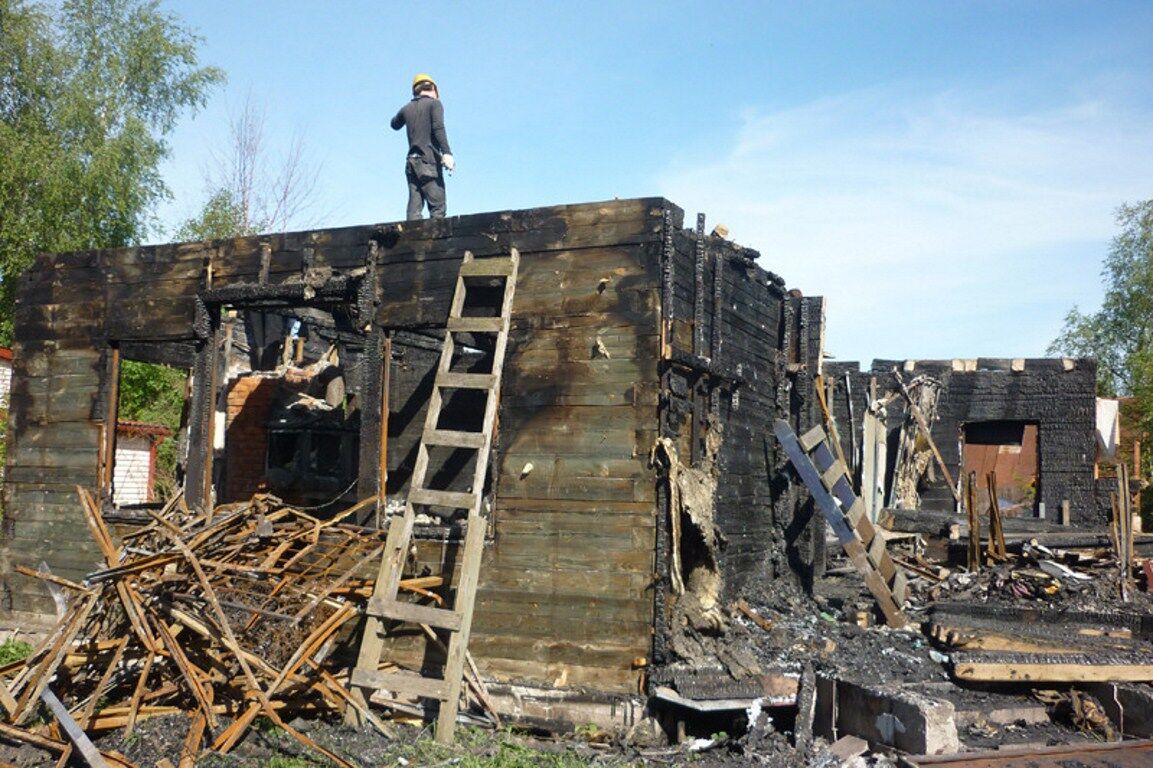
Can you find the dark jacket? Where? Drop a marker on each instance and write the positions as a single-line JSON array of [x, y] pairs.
[[424, 118]]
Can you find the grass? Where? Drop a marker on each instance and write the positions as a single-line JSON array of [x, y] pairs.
[[14, 650], [475, 748]]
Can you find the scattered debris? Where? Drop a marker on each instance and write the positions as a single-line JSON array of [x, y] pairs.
[[224, 617]]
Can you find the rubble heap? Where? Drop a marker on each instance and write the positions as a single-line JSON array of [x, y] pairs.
[[225, 616]]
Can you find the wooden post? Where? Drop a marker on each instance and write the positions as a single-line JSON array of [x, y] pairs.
[[974, 560], [996, 546], [111, 419], [1137, 474], [382, 465]]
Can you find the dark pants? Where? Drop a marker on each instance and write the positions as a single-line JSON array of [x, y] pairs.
[[425, 185]]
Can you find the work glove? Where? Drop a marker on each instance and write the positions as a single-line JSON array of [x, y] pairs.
[[448, 162]]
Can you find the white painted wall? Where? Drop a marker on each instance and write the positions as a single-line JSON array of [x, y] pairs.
[[131, 471]]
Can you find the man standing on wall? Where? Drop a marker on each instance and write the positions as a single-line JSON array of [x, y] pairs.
[[428, 150]]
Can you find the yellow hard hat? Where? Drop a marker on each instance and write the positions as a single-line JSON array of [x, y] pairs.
[[422, 78]]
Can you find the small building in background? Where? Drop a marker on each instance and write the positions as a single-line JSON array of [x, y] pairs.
[[5, 376], [135, 469]]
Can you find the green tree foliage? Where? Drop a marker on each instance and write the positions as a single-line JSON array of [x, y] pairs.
[[155, 394], [89, 89], [221, 217], [152, 393], [1120, 334]]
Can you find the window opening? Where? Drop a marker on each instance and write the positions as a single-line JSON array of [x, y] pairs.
[[288, 415], [150, 414]]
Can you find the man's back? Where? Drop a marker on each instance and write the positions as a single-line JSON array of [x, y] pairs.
[[423, 117]]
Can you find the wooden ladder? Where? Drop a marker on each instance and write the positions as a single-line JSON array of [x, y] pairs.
[[828, 481], [384, 605]]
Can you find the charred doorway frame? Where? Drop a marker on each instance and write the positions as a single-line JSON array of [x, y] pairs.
[[356, 289]]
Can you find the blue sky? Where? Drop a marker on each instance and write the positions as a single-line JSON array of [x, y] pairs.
[[945, 173]]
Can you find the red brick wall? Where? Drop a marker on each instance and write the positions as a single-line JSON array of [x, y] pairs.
[[246, 438]]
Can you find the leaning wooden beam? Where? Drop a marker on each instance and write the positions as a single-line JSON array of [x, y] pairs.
[[38, 675], [56, 746], [830, 422], [191, 746], [187, 669], [138, 692], [75, 733], [132, 607], [94, 698], [928, 433], [233, 645], [233, 733]]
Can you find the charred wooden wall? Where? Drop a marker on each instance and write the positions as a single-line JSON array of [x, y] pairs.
[[625, 327], [1059, 395], [739, 351]]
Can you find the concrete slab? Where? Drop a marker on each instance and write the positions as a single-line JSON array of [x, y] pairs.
[[1128, 705], [889, 715]]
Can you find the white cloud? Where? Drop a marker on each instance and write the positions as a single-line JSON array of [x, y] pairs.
[[942, 226]]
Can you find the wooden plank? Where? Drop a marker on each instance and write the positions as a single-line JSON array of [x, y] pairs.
[[399, 610], [606, 522], [465, 380], [400, 682], [613, 654], [588, 628], [578, 581], [451, 499], [812, 438], [474, 324], [1056, 669], [454, 438], [591, 506], [564, 487]]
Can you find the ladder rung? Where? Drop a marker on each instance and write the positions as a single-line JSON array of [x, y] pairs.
[[454, 438], [476, 324], [400, 682], [877, 551], [833, 474], [498, 266], [812, 438], [900, 588], [466, 380], [441, 498], [412, 613], [856, 512]]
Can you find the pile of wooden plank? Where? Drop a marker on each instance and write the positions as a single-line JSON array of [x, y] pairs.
[[224, 616]]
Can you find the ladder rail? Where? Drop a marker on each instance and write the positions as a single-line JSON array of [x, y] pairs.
[[833, 494], [384, 603]]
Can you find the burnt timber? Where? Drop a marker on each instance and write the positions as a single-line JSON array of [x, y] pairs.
[[628, 328]]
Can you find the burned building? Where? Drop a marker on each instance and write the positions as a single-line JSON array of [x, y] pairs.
[[1031, 422], [644, 360]]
